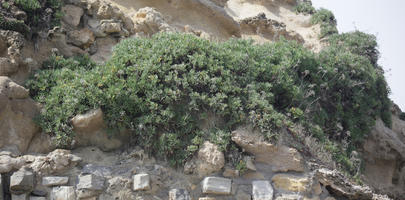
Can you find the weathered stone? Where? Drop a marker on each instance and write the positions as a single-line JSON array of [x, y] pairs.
[[216, 185], [82, 38], [19, 197], [179, 194], [149, 21], [110, 26], [249, 163], [210, 159], [289, 197], [63, 193], [91, 182], [206, 198], [8, 163], [280, 158], [242, 195], [291, 183], [230, 172], [72, 14], [57, 161], [104, 11], [54, 181], [22, 181], [37, 198], [7, 67], [330, 198], [262, 190], [141, 182]]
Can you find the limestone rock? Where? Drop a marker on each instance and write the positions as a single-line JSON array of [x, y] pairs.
[[289, 197], [179, 194], [54, 180], [216, 185], [149, 21], [17, 111], [55, 162], [141, 182], [110, 26], [83, 38], [262, 190], [210, 159], [8, 163], [105, 11], [291, 183], [91, 182], [280, 158], [90, 131], [63, 193], [22, 181], [19, 197], [72, 14]]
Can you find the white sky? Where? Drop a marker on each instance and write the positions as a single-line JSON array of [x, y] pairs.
[[384, 18]]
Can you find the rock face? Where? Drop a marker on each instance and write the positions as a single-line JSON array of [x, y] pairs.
[[54, 181], [210, 159], [55, 162], [72, 14], [179, 194], [141, 182], [291, 183], [16, 113], [63, 193], [216, 185], [280, 158], [262, 190]]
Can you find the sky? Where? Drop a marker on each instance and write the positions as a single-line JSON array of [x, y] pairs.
[[386, 20]]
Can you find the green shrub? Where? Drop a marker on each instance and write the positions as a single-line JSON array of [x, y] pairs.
[[13, 25], [327, 21], [161, 88], [402, 116], [305, 8], [28, 5]]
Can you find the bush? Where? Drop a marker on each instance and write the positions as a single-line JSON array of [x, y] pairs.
[[162, 88], [13, 25], [28, 5], [402, 116], [327, 21], [305, 8]]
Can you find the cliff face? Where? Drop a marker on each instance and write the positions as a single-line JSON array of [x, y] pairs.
[[30, 165]]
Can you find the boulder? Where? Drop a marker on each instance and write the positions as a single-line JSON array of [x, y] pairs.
[[110, 26], [57, 161], [17, 111], [63, 193], [280, 158], [72, 14], [149, 21], [291, 183], [216, 185], [210, 159], [105, 11], [179, 194], [22, 181], [8, 163], [90, 130], [262, 190], [82, 38], [141, 182], [54, 180]]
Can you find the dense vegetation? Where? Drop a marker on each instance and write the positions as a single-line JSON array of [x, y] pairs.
[[161, 88], [40, 14]]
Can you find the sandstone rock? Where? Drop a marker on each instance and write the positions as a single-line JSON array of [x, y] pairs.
[[110, 26], [262, 190], [54, 181], [179, 194], [19, 197], [72, 14], [57, 39], [55, 162], [148, 21], [280, 158], [16, 113], [291, 183], [216, 185], [289, 197], [104, 11], [210, 159], [63, 193], [141, 182], [83, 38], [22, 181], [41, 143], [8, 163], [90, 131]]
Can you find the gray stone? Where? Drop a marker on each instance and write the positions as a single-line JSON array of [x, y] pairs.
[[97, 170], [179, 194], [63, 193], [72, 14], [21, 182], [216, 185], [19, 197], [289, 197], [110, 26], [54, 181], [91, 182], [37, 198], [141, 182], [262, 190]]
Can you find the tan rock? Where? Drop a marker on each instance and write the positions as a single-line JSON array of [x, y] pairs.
[[72, 14], [291, 183], [57, 161], [83, 38], [110, 26], [280, 158], [149, 21], [8, 163], [210, 159], [7, 67], [105, 11], [230, 172]]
